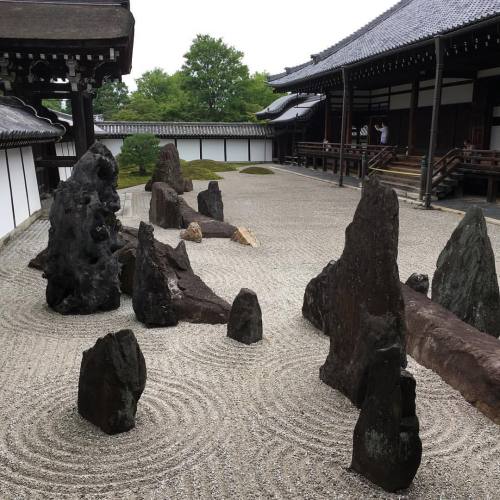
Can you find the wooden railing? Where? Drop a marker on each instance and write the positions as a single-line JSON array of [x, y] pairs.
[[381, 159], [446, 165]]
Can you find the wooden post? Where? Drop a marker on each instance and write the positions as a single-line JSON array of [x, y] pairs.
[[343, 127], [411, 118], [492, 189], [438, 86], [89, 118], [79, 123]]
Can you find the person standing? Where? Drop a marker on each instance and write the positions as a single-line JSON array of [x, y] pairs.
[[384, 133]]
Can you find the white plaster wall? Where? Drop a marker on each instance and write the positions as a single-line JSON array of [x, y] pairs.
[[451, 95], [269, 150], [31, 182], [6, 215], [237, 149], [400, 101], [257, 150], [114, 145], [495, 137], [485, 73], [19, 191], [164, 142], [189, 149], [212, 149]]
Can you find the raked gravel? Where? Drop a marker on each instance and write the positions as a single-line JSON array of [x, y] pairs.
[[218, 419]]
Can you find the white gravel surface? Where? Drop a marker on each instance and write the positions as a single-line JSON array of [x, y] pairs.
[[217, 419]]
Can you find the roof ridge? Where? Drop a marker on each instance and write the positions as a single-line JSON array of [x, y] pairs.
[[116, 122]]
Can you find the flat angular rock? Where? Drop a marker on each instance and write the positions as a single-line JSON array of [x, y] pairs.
[[317, 302], [82, 270], [193, 300], [366, 309], [245, 320], [152, 297], [210, 202], [245, 237], [386, 445], [210, 228], [465, 358], [112, 379], [168, 169], [164, 208], [192, 233], [465, 281], [419, 283]]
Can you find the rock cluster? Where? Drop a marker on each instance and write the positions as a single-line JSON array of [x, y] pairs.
[[192, 233], [168, 169], [164, 208], [81, 268], [192, 299], [112, 379], [419, 283], [210, 202], [152, 297], [362, 289], [245, 320], [465, 281], [386, 445]]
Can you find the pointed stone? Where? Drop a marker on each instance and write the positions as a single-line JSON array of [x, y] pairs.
[[465, 281], [386, 445], [192, 233], [164, 208], [210, 202], [82, 270], [419, 283], [112, 379], [245, 320], [168, 169], [366, 309], [152, 298]]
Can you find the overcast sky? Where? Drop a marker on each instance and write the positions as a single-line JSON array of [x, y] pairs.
[[271, 33]]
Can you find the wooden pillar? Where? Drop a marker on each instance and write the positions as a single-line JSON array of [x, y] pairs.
[[438, 86], [491, 195], [327, 134], [343, 126], [412, 115], [89, 118], [79, 123]]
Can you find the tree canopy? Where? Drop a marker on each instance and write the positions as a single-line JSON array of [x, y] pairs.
[[139, 150]]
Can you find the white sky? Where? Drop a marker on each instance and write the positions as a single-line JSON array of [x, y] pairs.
[[271, 33]]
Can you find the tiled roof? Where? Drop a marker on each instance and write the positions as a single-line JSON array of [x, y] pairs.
[[299, 111], [279, 105], [66, 118], [187, 129], [408, 22], [20, 125]]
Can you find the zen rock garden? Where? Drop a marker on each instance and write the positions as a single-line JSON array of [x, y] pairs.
[[372, 321]]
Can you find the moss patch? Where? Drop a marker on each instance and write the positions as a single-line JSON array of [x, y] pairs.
[[256, 171], [129, 176], [206, 170]]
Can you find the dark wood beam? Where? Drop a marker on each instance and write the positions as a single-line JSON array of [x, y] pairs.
[[345, 98], [411, 118], [89, 118], [56, 162], [79, 123]]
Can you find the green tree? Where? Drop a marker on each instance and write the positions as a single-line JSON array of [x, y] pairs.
[[139, 108], [110, 99], [61, 105], [140, 150], [156, 85], [258, 95], [215, 77]]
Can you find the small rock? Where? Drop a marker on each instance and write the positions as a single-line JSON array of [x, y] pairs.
[[112, 379], [210, 202], [245, 237], [419, 283], [192, 233], [152, 298], [164, 210], [188, 185], [386, 445], [245, 319]]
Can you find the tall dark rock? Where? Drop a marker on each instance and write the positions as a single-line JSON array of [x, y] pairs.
[[419, 283], [465, 281], [164, 210], [245, 320], [386, 445], [152, 297], [210, 202], [193, 300], [366, 310], [112, 379], [81, 268], [168, 169]]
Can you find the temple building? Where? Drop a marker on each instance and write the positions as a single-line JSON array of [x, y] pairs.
[[426, 71]]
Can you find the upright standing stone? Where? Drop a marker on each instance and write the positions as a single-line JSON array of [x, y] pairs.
[[366, 309], [112, 379], [465, 281], [245, 320], [386, 444], [168, 169], [210, 202], [152, 298], [419, 283], [81, 269], [164, 210]]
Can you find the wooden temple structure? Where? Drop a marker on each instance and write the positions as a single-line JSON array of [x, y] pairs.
[[63, 49], [430, 71]]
